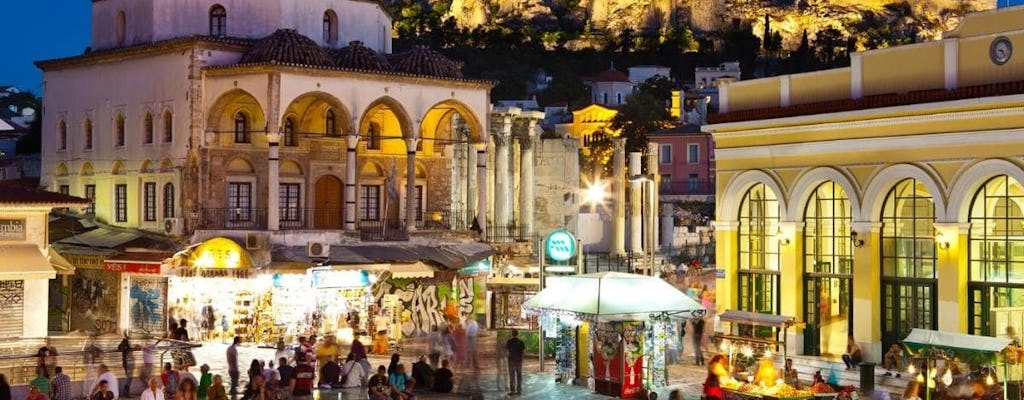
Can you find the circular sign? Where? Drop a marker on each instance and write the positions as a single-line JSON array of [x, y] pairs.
[[1000, 50], [560, 246]]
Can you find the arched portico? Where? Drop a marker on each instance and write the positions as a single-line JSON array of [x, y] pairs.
[[882, 182], [973, 178], [319, 114], [223, 115], [729, 204], [809, 181]]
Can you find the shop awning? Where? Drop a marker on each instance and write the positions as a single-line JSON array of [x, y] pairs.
[[449, 257], [101, 237], [968, 348], [400, 271], [612, 296], [59, 263], [136, 262], [757, 319], [24, 261]]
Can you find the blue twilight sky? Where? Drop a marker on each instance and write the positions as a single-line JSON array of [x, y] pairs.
[[40, 30]]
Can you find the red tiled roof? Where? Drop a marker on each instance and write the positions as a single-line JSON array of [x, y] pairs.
[[359, 57], [421, 60], [15, 194], [869, 102], [286, 46], [609, 75]]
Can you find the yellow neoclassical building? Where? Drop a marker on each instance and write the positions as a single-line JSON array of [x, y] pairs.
[[884, 196]]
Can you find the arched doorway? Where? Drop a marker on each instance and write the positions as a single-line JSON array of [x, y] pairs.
[[996, 255], [758, 272], [828, 271], [327, 211]]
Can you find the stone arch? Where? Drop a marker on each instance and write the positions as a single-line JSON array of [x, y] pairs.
[[240, 165], [378, 110], [441, 113], [883, 181], [166, 165], [118, 168], [421, 171], [62, 170], [809, 181], [87, 169], [371, 169], [289, 167], [967, 183], [308, 111], [221, 116], [729, 207], [146, 167]]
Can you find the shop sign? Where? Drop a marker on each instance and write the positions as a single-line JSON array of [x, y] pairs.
[[720, 273], [560, 246], [479, 267], [12, 228], [132, 267], [326, 278], [84, 260]]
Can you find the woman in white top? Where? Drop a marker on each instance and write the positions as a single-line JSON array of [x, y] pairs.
[[153, 392]]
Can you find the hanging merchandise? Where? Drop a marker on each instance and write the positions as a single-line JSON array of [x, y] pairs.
[[565, 352]]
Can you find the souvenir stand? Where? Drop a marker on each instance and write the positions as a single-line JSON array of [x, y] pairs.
[[987, 352], [627, 320], [751, 340]]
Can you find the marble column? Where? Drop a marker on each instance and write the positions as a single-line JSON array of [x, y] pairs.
[[652, 209], [619, 198], [273, 182], [471, 183], [481, 188], [410, 184], [352, 141], [636, 204], [502, 178], [526, 180]]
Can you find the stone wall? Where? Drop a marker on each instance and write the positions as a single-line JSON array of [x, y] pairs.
[[558, 176]]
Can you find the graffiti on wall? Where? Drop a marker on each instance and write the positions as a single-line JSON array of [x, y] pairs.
[[94, 299], [147, 301], [428, 303]]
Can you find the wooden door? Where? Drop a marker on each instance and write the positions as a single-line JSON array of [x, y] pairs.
[[328, 206]]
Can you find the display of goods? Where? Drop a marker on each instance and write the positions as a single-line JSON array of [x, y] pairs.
[[822, 387]]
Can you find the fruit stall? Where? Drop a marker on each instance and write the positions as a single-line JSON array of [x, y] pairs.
[[937, 356]]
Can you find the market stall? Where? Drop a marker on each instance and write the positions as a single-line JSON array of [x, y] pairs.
[[627, 320], [750, 340], [986, 356]]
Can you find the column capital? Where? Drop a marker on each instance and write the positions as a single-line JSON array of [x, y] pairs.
[[792, 226], [502, 139], [352, 141], [961, 228], [619, 143], [410, 144], [725, 225]]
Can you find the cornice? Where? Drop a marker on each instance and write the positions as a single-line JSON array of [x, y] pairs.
[[147, 49], [232, 69]]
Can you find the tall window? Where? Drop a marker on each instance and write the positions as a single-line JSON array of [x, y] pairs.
[[419, 202], [147, 128], [618, 97], [168, 127], [758, 275], [373, 137], [330, 27], [119, 26], [168, 200], [665, 154], [119, 130], [369, 202], [87, 134], [693, 182], [218, 21], [240, 201], [693, 153], [995, 253], [241, 128], [604, 97], [289, 132], [121, 202], [329, 123], [62, 135], [828, 269], [289, 198], [149, 201], [90, 193], [65, 189]]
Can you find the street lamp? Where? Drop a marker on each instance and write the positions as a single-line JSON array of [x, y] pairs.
[[595, 193]]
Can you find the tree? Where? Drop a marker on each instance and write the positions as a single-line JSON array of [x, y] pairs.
[[659, 87], [642, 114], [32, 141]]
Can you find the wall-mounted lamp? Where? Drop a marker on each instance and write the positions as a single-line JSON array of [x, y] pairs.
[[856, 242], [941, 243], [782, 238]]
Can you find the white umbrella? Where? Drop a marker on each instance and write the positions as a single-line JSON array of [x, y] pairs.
[[612, 296]]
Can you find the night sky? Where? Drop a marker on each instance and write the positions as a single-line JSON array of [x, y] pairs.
[[40, 30]]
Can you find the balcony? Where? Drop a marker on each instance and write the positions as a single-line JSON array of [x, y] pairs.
[[382, 231], [680, 188], [330, 219], [446, 220]]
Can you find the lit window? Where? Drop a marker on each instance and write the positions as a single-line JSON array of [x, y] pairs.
[[149, 201], [218, 21], [240, 201], [373, 137], [289, 198], [121, 202]]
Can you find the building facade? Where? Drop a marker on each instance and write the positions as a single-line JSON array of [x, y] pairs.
[[686, 163], [886, 193]]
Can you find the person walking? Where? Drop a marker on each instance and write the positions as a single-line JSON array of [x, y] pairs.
[[514, 348], [232, 355], [127, 362], [60, 385], [47, 356], [698, 334], [436, 346], [205, 381], [472, 330]]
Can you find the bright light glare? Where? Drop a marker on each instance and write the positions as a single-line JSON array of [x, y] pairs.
[[596, 192]]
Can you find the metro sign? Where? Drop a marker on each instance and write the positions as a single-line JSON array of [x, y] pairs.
[[560, 246]]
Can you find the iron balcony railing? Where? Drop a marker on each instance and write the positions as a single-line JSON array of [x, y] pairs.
[[233, 218], [459, 220], [382, 231]]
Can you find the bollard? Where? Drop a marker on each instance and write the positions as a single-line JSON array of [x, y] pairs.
[[867, 377]]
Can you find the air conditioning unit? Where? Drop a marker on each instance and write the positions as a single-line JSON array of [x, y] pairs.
[[174, 226], [318, 250], [255, 241]]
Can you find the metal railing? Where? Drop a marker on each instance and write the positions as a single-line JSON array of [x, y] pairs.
[[509, 234], [446, 220], [233, 218], [686, 187], [382, 231], [310, 218]]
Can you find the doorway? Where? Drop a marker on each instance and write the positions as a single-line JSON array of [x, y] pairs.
[[906, 305], [328, 198]]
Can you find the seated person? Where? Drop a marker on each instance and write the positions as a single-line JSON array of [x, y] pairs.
[[378, 387], [423, 373], [353, 374], [443, 378], [790, 375], [893, 360], [330, 374], [401, 384]]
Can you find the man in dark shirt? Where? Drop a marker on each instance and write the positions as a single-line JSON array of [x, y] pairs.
[[422, 373], [443, 378], [330, 374], [303, 379], [286, 371], [514, 348], [379, 386]]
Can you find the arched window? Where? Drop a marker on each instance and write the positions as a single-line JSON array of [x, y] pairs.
[[119, 130], [168, 200], [168, 123], [62, 135], [218, 21], [330, 124], [87, 134], [908, 261], [147, 128], [995, 253], [828, 268], [373, 137], [758, 272], [241, 128], [289, 132], [119, 27], [330, 27]]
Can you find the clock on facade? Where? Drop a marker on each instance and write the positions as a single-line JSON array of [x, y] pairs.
[[1001, 50]]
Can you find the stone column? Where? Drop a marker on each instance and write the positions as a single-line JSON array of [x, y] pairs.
[[636, 204], [619, 198], [502, 181], [481, 188], [471, 189], [352, 141], [652, 210], [410, 184], [526, 180], [273, 182], [667, 230]]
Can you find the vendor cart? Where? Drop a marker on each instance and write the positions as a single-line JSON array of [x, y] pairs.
[[929, 345], [746, 333]]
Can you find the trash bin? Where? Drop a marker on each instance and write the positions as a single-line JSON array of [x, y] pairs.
[[867, 377]]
